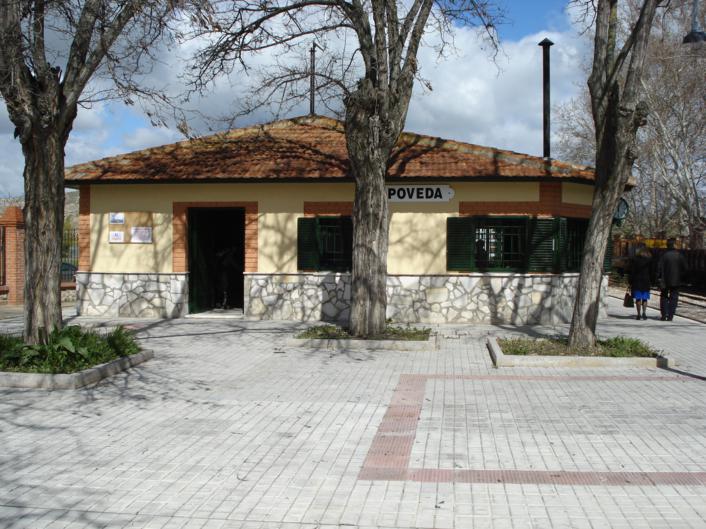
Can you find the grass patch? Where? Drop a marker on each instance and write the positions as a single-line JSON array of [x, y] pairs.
[[334, 332], [614, 347], [67, 351]]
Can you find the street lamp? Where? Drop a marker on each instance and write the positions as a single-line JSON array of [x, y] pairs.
[[696, 34]]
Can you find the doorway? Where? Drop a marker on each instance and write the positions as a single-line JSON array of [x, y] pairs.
[[216, 258]]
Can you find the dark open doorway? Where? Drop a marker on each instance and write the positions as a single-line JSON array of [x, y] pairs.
[[216, 258]]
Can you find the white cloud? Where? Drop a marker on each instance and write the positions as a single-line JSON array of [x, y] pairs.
[[91, 119], [11, 183], [476, 101], [143, 138]]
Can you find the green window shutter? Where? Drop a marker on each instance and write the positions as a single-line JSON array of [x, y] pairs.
[[542, 245], [347, 232], [307, 244], [460, 244], [562, 254], [576, 235]]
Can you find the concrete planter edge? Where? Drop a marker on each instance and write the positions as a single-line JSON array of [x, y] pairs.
[[73, 380], [502, 360]]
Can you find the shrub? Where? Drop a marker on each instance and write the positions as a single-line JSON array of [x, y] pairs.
[[67, 350], [333, 332], [615, 347]]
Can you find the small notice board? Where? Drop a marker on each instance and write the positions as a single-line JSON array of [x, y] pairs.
[[134, 227]]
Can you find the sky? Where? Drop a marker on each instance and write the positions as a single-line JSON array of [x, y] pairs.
[[472, 98]]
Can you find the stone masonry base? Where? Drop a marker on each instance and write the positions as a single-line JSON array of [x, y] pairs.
[[132, 295], [516, 299]]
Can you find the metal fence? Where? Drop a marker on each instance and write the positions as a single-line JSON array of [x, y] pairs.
[[69, 255]]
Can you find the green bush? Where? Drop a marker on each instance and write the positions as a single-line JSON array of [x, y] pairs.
[[67, 350], [333, 332], [615, 347]]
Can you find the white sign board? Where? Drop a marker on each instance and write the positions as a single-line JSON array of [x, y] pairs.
[[419, 193], [117, 217], [116, 237], [141, 234]]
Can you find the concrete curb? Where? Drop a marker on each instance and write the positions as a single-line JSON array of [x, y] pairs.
[[368, 345], [502, 360], [73, 380]]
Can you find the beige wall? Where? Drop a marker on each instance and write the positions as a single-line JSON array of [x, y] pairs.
[[417, 230], [581, 194]]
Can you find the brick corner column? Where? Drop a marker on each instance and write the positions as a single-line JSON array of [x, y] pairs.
[[13, 221], [84, 229]]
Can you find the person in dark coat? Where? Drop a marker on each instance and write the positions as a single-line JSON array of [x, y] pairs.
[[481, 255], [640, 280], [671, 271]]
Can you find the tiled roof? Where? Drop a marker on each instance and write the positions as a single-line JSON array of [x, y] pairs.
[[310, 148]]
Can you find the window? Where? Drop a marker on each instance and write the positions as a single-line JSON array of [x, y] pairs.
[[486, 243], [514, 244], [575, 237], [325, 243], [500, 244]]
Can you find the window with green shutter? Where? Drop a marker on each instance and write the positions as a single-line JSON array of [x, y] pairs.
[[575, 238], [516, 244], [500, 243], [459, 244], [543, 254], [325, 243], [486, 243]]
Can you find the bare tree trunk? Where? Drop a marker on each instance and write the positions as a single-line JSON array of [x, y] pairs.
[[370, 138], [44, 215], [588, 296], [618, 113], [696, 236], [370, 239], [615, 158]]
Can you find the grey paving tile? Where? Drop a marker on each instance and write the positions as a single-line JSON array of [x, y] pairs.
[[219, 431]]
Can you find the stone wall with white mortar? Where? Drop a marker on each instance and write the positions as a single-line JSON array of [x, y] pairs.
[[516, 299], [478, 298], [132, 295]]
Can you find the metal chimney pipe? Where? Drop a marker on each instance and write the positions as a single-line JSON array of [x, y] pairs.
[[546, 44]]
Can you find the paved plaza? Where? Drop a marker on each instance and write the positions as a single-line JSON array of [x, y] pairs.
[[228, 427]]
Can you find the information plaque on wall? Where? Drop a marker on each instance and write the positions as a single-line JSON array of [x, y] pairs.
[[116, 237], [130, 227], [141, 234], [117, 217]]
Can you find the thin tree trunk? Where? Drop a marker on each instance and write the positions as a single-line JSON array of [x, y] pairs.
[[615, 157], [696, 236], [588, 295], [43, 215]]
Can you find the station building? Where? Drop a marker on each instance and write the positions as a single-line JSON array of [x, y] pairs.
[[258, 219]]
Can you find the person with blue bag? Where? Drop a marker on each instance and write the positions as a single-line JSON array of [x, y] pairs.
[[640, 267]]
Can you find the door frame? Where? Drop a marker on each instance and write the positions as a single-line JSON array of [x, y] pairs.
[[180, 232]]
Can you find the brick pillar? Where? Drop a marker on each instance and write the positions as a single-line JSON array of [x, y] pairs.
[[84, 229], [14, 223]]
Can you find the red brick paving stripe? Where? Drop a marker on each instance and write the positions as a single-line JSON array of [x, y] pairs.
[[390, 451]]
